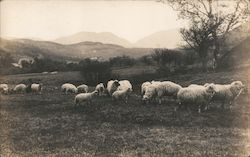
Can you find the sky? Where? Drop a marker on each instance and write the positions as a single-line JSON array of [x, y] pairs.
[[51, 19]]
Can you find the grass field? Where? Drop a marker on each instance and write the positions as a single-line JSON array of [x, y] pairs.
[[48, 125]]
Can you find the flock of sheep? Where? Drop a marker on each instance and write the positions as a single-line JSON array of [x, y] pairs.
[[199, 95]]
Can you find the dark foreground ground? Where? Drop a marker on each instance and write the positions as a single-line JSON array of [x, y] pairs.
[[47, 124]]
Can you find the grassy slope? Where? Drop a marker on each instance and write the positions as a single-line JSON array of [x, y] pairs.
[[48, 125]]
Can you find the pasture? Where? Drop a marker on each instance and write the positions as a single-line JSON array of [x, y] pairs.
[[47, 124]]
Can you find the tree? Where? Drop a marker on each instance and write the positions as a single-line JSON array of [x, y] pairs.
[[199, 38], [210, 21], [167, 56]]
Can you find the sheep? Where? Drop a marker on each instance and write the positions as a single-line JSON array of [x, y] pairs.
[[82, 88], [227, 93], [150, 92], [124, 84], [67, 87], [100, 88], [85, 97], [35, 87], [112, 86], [121, 94], [4, 88], [167, 88], [196, 95], [20, 88], [144, 86]]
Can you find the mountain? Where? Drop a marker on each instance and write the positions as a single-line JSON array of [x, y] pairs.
[[103, 37], [73, 52], [163, 39]]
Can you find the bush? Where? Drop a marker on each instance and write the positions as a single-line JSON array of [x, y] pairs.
[[122, 61], [95, 71]]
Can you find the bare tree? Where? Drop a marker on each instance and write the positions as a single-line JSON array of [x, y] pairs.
[[210, 22]]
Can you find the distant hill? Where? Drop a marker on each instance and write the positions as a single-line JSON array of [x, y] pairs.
[[74, 52], [163, 39], [103, 37]]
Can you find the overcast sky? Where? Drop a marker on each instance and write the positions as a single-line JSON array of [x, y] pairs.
[[50, 19]]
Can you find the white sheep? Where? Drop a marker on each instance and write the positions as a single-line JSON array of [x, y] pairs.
[[82, 88], [150, 92], [67, 87], [227, 93], [196, 95], [35, 87], [20, 88], [85, 97], [4, 88], [121, 94], [167, 88], [125, 84], [100, 88], [112, 86], [144, 86]]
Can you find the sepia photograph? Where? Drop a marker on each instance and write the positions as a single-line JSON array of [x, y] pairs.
[[124, 78]]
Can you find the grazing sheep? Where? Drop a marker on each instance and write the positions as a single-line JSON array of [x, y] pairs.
[[112, 86], [85, 97], [20, 88], [82, 88], [167, 88], [100, 88], [121, 95], [4, 88], [196, 95], [35, 87], [228, 93], [150, 92], [144, 86], [67, 87], [124, 84]]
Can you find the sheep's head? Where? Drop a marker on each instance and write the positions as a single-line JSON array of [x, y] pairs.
[[237, 86], [5, 90], [145, 98], [211, 89], [116, 83], [95, 92], [149, 94], [206, 84]]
